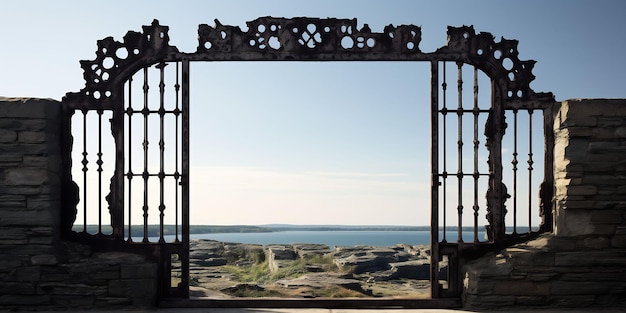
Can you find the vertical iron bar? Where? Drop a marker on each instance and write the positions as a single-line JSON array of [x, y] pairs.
[[85, 169], [161, 68], [434, 167], [116, 201], [176, 173], [185, 182], [548, 172], [496, 194], [444, 87], [514, 162], [459, 172], [530, 167], [476, 144], [145, 173], [99, 163], [129, 112]]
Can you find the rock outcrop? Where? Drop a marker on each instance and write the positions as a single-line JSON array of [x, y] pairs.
[[399, 270]]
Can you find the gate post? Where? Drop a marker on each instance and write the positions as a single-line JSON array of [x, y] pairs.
[[434, 185]]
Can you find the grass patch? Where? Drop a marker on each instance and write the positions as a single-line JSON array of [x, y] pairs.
[[261, 273], [338, 292]]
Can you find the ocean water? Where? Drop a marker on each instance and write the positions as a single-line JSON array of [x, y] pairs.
[[333, 238]]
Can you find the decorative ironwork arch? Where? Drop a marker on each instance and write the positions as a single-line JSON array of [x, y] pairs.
[[295, 39], [305, 39]]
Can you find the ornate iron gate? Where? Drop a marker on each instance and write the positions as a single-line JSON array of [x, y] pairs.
[[110, 84]]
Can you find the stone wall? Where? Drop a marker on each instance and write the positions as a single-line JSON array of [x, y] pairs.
[[38, 268], [590, 172], [583, 263]]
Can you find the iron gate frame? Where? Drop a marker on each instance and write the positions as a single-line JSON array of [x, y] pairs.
[[303, 39]]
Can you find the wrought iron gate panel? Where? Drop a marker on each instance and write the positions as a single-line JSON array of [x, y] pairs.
[[302, 39]]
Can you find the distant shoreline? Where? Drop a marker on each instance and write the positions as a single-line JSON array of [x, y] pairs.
[[154, 230]]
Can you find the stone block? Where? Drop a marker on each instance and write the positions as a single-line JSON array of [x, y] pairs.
[[573, 222], [41, 240], [572, 301], [571, 203], [118, 288], [489, 268], [35, 161], [26, 218], [13, 242], [24, 300], [73, 289], [14, 233], [519, 256], [23, 190], [594, 107], [12, 202], [145, 270], [44, 259], [579, 288], [495, 301], [142, 291], [7, 136], [602, 229], [606, 217], [605, 205], [25, 176], [54, 274], [28, 274], [105, 274], [543, 276], [73, 302], [478, 287], [576, 149], [566, 169], [8, 264], [522, 288], [578, 131], [606, 192], [40, 203], [579, 121], [30, 108], [118, 258], [618, 241], [518, 274], [91, 270], [590, 258], [603, 133], [593, 243], [24, 148], [620, 132], [23, 124], [615, 275], [602, 146], [602, 157], [613, 299], [42, 231], [531, 300], [21, 288], [26, 251], [31, 137], [582, 190], [552, 243], [610, 121], [113, 301]]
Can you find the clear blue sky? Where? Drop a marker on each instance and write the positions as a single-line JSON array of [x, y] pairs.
[[314, 143]]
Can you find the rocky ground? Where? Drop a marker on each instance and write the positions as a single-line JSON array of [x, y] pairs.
[[221, 270]]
